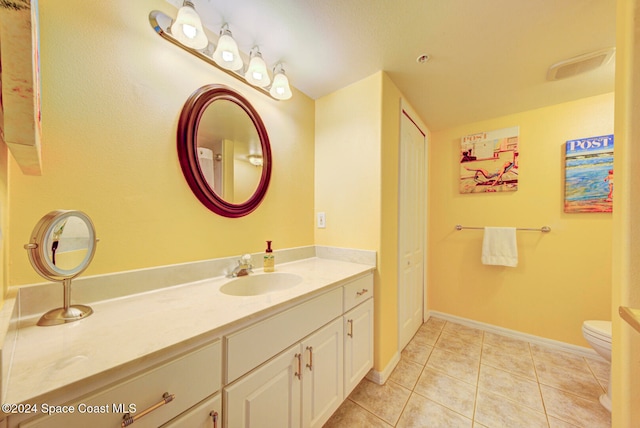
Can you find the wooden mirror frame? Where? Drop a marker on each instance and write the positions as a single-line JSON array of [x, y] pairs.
[[188, 151]]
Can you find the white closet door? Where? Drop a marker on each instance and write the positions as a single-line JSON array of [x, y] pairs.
[[411, 234]]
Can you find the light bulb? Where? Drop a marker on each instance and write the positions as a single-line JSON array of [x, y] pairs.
[[255, 160], [280, 89], [187, 27], [257, 73], [226, 54], [189, 30]]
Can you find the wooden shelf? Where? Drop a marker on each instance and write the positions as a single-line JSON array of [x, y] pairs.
[[631, 316], [20, 124]]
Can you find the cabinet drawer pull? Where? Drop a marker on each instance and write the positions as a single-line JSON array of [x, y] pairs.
[[298, 374], [350, 322], [310, 363], [214, 417], [364, 291], [127, 419]]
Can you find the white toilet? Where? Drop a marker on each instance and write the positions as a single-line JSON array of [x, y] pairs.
[[598, 334]]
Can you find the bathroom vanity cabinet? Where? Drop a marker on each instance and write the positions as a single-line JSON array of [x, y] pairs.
[[305, 383], [297, 388], [291, 365]]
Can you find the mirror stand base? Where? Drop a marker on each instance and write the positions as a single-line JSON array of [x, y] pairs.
[[65, 315]]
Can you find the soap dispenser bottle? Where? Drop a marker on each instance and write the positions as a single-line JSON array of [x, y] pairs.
[[269, 259]]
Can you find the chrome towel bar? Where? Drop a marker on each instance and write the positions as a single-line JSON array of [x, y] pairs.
[[544, 229]]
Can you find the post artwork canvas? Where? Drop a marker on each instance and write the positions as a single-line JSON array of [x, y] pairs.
[[589, 175], [489, 161]]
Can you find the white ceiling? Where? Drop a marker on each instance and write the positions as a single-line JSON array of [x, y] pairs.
[[487, 57]]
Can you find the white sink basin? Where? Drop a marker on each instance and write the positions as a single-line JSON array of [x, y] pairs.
[[263, 283]]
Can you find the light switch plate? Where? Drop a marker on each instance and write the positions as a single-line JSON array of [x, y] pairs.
[[322, 220]]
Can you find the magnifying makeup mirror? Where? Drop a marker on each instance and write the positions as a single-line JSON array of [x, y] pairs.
[[61, 247]]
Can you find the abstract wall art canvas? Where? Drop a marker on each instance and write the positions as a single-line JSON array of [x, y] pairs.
[[489, 161]]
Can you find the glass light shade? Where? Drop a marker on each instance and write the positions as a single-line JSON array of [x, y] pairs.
[[280, 89], [187, 28], [256, 160], [226, 54], [257, 73]]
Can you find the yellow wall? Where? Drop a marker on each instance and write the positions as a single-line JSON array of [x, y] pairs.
[[387, 314], [348, 188], [347, 174], [563, 277], [356, 185], [4, 205], [112, 92], [4, 218], [625, 364]]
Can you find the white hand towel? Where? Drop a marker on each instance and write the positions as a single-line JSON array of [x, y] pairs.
[[499, 246]]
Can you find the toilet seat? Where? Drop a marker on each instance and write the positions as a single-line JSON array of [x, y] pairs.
[[598, 329]]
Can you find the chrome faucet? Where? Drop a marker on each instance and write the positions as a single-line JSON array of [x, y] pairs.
[[244, 267]]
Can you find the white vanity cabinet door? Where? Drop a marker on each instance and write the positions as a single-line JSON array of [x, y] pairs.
[[358, 344], [323, 374], [207, 414], [269, 396]]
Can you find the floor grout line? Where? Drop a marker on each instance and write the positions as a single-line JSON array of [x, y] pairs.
[[475, 401], [535, 371], [438, 334]]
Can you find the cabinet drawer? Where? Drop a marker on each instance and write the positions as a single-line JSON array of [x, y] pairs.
[[357, 291], [191, 378], [207, 414], [254, 345]]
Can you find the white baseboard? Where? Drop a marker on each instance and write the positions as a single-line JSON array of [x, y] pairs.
[[549, 343], [381, 377]]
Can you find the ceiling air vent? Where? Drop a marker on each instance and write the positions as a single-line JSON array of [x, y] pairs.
[[580, 64]]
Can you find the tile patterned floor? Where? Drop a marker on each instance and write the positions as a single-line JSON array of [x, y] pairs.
[[451, 375]]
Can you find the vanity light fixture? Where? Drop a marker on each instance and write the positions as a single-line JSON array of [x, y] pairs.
[[255, 159], [187, 27], [280, 88], [226, 55], [257, 73]]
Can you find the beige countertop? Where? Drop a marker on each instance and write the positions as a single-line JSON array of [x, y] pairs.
[[124, 334]]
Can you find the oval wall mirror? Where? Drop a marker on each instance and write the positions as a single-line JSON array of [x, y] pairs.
[[61, 247], [224, 151]]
